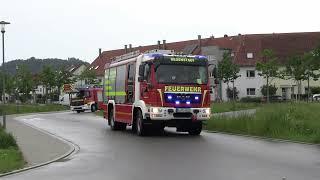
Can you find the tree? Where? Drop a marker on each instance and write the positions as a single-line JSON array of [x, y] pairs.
[[268, 91], [232, 93], [311, 66], [228, 71], [89, 76], [9, 84], [63, 77], [268, 68], [25, 83], [295, 69], [48, 78]]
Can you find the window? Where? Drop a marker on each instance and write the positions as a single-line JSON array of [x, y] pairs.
[[249, 55], [251, 91], [96, 67], [251, 73], [232, 54], [130, 82], [147, 71], [120, 84], [181, 74]]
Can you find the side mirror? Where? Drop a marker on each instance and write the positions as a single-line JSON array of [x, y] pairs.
[[141, 70], [140, 78]]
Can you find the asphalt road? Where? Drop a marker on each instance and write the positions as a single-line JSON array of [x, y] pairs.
[[105, 154]]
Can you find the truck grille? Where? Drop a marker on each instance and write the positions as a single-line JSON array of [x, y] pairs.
[[77, 103], [182, 115]]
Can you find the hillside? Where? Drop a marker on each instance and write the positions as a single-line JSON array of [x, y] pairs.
[[36, 65]]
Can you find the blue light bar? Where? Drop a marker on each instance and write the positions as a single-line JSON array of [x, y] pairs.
[[200, 57]]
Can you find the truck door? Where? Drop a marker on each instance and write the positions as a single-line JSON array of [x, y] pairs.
[[144, 83]]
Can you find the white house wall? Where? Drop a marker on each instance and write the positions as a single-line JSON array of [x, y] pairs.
[[244, 82]]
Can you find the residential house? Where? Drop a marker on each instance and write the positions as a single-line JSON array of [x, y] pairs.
[[245, 50]]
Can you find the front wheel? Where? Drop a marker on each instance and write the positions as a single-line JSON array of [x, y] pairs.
[[93, 108], [140, 127], [114, 124], [195, 129]]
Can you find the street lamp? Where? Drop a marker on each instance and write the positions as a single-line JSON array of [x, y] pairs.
[[3, 24]]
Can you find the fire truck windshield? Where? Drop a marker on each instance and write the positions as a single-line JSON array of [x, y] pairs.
[[181, 74]]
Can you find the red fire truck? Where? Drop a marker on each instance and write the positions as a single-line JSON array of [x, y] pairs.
[[156, 89], [86, 98]]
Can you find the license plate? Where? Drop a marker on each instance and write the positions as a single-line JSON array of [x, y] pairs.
[[183, 110]]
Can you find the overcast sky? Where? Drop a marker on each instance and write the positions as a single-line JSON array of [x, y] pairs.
[[77, 28]]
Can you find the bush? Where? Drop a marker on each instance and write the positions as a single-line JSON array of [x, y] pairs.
[[272, 90], [6, 140], [230, 93], [294, 121], [251, 99], [315, 90]]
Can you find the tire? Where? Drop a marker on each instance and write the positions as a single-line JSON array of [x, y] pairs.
[[78, 111], [114, 124], [93, 108], [140, 127], [195, 129]]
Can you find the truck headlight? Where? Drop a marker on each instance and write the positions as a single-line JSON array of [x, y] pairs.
[[155, 110], [207, 111]]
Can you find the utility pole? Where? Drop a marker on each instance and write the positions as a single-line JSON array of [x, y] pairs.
[[3, 23]]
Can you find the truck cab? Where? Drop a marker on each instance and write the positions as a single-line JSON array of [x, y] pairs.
[[158, 89], [88, 98]]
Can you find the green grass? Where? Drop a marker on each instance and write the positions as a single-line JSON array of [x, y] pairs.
[[229, 106], [10, 156], [30, 108], [6, 140], [293, 121], [10, 159], [99, 113]]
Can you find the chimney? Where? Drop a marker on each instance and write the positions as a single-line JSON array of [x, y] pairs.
[[130, 47], [164, 44], [199, 41], [159, 44], [212, 36], [125, 49], [239, 34], [99, 52], [226, 35]]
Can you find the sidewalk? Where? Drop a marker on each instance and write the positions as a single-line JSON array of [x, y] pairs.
[[37, 147]]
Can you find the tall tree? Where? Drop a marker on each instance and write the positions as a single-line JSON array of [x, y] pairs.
[[25, 83], [311, 65], [295, 69], [48, 77], [228, 71], [9, 86], [89, 76], [268, 68], [63, 76]]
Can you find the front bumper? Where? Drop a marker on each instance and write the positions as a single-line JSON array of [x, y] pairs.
[[80, 108], [170, 113]]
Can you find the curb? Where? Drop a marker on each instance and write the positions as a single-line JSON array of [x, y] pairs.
[[74, 148], [35, 113], [263, 138]]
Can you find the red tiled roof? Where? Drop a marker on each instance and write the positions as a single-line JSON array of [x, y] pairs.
[[283, 45], [106, 56]]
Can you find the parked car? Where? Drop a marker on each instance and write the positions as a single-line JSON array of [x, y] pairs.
[[273, 99], [316, 97]]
